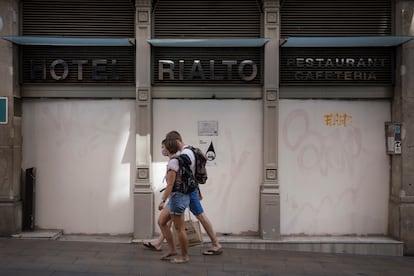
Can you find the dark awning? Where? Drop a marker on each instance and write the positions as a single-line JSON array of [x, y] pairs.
[[69, 41], [230, 42], [353, 41]]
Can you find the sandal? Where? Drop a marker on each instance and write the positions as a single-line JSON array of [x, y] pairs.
[[166, 257], [211, 252], [149, 245], [179, 261]]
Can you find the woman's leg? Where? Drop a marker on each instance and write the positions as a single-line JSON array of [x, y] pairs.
[[182, 237], [163, 222]]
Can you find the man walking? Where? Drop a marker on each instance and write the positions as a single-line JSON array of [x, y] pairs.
[[195, 197]]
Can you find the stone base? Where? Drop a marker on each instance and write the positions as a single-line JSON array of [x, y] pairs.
[[10, 218], [383, 246], [269, 216], [143, 214], [40, 234]]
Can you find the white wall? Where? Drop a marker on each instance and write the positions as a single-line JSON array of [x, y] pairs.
[[333, 179], [231, 195], [84, 153]]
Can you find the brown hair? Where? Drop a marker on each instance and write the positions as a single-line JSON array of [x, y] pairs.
[[174, 135], [171, 145]]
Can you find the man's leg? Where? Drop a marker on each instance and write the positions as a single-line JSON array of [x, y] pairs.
[[198, 211], [208, 227], [157, 244]]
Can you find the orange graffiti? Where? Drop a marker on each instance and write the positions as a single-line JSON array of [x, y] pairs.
[[337, 119]]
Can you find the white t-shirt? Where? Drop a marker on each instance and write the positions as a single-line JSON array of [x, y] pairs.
[[173, 165], [190, 154]]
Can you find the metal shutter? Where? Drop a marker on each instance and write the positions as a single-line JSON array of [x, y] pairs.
[[206, 19], [79, 18], [336, 18]]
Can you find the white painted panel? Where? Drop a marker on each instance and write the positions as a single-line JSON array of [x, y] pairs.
[[231, 195], [84, 154], [334, 173]]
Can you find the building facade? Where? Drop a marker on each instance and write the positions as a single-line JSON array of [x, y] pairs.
[[302, 108]]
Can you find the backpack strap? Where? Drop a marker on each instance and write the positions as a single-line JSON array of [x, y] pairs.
[[183, 161], [176, 186]]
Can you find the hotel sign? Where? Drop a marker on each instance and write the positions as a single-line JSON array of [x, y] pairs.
[[207, 66], [78, 65], [246, 70], [59, 69]]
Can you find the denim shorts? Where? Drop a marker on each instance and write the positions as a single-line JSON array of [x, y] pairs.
[[195, 204], [178, 203]]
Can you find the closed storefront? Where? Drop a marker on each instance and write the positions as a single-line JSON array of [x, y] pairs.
[[336, 84], [300, 107], [206, 74], [77, 79]]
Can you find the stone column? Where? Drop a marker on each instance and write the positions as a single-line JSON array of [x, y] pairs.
[[143, 193], [269, 194], [401, 215], [10, 133]]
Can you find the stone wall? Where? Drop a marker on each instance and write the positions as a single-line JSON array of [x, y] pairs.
[[401, 222], [10, 133]]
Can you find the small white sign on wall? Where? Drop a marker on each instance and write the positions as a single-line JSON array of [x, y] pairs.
[[207, 128]]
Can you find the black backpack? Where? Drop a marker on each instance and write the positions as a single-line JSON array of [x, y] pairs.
[[185, 182], [200, 165]]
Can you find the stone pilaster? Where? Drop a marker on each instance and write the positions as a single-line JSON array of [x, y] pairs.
[[401, 215], [269, 195], [143, 194], [10, 133]]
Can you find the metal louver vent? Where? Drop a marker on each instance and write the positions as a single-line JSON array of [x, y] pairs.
[[79, 18], [207, 19], [336, 18]]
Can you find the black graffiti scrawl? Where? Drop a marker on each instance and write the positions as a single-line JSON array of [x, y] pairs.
[[211, 153]]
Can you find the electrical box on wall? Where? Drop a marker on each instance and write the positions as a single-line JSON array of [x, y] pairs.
[[393, 137]]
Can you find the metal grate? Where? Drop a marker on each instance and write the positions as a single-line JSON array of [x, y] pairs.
[[220, 18], [336, 18], [79, 18]]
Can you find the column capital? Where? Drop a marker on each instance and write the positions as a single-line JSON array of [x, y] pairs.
[[143, 3], [267, 4]]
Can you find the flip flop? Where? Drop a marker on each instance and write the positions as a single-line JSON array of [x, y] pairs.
[[211, 252], [179, 261], [149, 245]]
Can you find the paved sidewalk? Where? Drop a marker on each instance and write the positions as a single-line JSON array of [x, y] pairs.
[[61, 258]]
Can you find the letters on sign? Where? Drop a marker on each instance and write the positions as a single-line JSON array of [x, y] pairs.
[[102, 69], [246, 70], [335, 69]]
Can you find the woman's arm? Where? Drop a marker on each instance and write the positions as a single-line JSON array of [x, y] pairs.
[[168, 190]]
